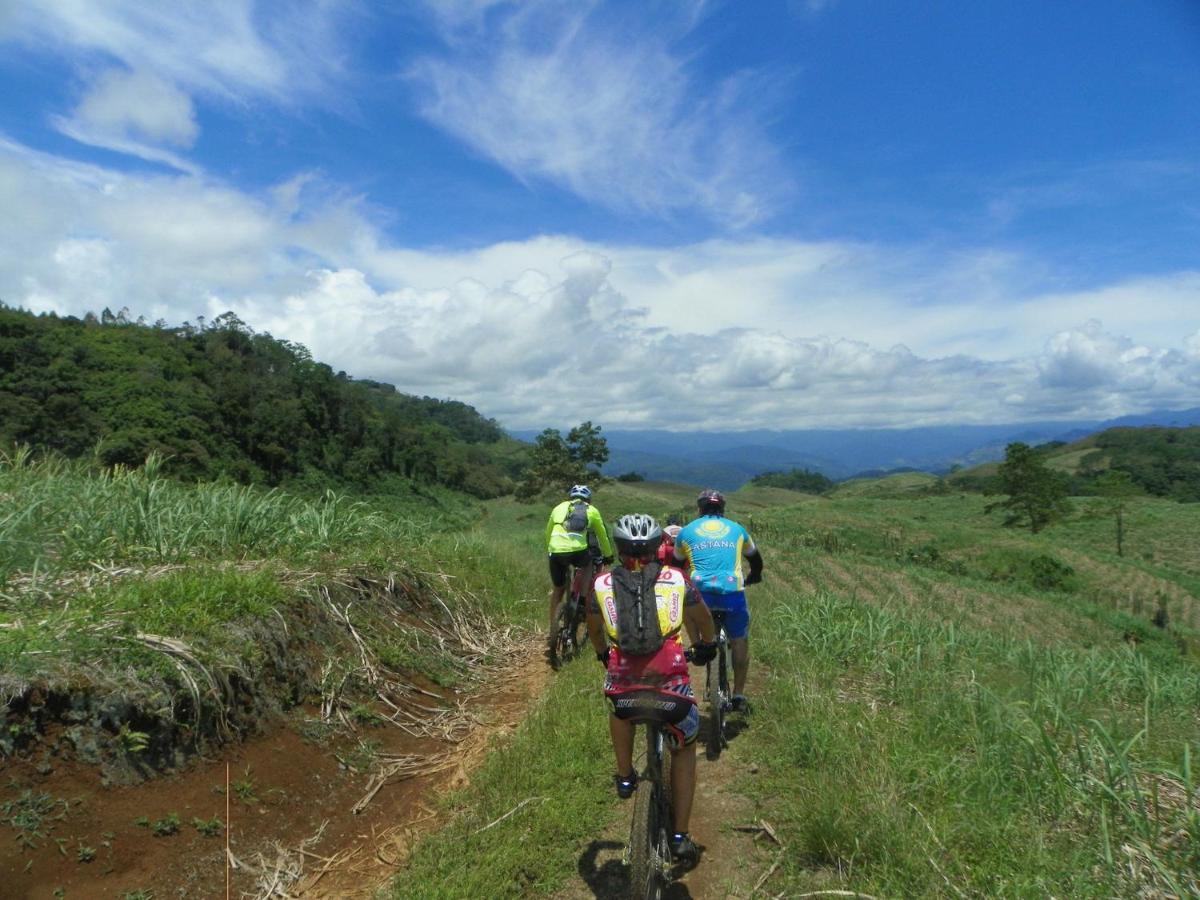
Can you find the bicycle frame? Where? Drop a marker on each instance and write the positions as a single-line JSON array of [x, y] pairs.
[[572, 615]]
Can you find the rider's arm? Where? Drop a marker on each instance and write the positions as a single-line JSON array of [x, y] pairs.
[[597, 522], [595, 627], [549, 528], [756, 566], [680, 557], [697, 618]]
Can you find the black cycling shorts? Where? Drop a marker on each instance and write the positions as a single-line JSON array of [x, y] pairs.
[[677, 714], [560, 562]]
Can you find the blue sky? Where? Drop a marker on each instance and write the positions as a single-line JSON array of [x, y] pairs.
[[804, 213]]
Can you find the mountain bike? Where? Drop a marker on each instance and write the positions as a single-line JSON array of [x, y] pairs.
[[571, 618], [650, 831], [716, 689]]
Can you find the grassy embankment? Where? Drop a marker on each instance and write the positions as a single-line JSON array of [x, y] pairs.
[[180, 598], [947, 707]]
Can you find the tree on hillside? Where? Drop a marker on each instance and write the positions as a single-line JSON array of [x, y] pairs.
[[1117, 487], [557, 463], [1037, 495], [795, 480]]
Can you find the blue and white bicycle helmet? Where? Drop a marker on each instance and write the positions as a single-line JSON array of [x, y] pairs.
[[580, 492]]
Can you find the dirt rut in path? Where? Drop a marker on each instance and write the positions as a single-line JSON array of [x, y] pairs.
[[291, 802], [738, 850]]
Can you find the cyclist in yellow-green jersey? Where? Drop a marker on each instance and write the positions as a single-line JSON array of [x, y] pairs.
[[575, 536]]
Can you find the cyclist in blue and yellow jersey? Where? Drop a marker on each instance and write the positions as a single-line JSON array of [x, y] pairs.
[[575, 536], [635, 617], [711, 549]]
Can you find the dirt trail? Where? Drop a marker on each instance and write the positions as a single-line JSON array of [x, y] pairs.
[[291, 811], [736, 853]]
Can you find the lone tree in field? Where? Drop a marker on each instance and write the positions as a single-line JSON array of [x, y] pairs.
[[558, 463], [1037, 495], [1117, 487]]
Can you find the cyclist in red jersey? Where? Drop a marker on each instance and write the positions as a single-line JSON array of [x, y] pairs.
[[647, 670]]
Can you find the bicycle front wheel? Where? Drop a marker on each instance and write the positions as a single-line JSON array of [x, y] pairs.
[[645, 875]]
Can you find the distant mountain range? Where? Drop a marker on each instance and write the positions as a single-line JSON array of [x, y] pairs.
[[728, 460]]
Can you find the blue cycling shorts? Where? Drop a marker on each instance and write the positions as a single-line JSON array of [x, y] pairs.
[[735, 610]]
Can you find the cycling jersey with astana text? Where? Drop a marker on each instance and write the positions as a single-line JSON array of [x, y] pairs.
[[711, 549]]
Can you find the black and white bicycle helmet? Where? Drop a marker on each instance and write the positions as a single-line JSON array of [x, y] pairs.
[[636, 535], [580, 492]]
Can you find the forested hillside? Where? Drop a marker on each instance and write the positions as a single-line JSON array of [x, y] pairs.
[[1164, 462], [221, 400], [1159, 462]]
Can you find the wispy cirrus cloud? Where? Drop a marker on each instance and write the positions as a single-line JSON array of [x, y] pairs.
[[140, 65], [238, 49], [610, 111]]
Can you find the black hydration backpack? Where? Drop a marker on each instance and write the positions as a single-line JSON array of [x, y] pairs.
[[638, 633], [576, 521]]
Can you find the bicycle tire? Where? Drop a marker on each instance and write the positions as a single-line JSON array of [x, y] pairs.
[[561, 649], [576, 625], [716, 709], [667, 761], [644, 874]]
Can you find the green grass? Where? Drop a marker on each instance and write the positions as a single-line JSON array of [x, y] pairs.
[[64, 516], [946, 706], [928, 755], [951, 726], [929, 724]]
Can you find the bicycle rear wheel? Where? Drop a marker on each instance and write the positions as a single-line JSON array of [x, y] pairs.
[[716, 706], [562, 648], [576, 623]]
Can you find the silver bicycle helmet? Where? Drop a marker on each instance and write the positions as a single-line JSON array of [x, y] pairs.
[[637, 535]]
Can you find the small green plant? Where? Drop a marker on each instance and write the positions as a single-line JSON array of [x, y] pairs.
[[132, 741], [245, 788], [142, 821], [167, 825], [209, 827], [32, 816], [138, 895], [364, 715], [85, 854], [1049, 574], [362, 756]]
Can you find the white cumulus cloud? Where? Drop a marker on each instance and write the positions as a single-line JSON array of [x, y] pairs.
[[736, 334]]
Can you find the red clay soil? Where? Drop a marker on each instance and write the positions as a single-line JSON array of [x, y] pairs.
[[290, 811]]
